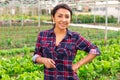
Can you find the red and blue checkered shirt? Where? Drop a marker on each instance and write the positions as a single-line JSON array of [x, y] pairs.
[[63, 54]]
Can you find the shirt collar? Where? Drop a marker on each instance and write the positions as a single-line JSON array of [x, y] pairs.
[[51, 31], [69, 32]]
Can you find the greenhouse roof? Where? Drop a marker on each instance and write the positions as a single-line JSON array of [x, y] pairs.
[[4, 3], [17, 2]]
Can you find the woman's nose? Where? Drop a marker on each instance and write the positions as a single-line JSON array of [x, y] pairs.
[[64, 19]]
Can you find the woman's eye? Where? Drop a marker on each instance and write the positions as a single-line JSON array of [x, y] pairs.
[[59, 16], [67, 16]]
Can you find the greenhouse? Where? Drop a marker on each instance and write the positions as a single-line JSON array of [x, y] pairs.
[[21, 21]]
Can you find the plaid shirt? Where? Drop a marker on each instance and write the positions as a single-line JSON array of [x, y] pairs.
[[63, 54]]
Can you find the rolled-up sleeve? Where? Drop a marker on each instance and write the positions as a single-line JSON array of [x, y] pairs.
[[35, 57], [94, 51]]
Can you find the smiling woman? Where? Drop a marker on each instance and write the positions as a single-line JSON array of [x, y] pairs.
[[56, 48], [62, 18]]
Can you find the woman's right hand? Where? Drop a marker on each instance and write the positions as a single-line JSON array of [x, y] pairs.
[[49, 63]]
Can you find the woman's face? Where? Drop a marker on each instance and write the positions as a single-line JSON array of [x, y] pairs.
[[62, 18]]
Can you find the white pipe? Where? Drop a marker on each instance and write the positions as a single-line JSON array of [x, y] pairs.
[[22, 12], [38, 13], [118, 12], [94, 11], [106, 21]]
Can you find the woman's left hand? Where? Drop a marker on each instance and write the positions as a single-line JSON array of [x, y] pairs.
[[75, 67], [85, 60]]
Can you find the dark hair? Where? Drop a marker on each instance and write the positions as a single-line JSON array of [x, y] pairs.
[[62, 5]]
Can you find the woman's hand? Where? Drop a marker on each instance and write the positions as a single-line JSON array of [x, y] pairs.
[[85, 60], [75, 67], [49, 63]]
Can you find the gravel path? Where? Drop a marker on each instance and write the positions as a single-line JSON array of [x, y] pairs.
[[96, 26]]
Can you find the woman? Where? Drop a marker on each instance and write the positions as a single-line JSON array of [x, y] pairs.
[[56, 48]]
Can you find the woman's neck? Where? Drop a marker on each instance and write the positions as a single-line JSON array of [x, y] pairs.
[[59, 31]]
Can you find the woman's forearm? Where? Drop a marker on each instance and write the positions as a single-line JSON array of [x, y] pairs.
[[40, 60], [85, 60], [49, 63]]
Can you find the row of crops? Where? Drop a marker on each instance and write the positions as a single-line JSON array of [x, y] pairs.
[[16, 59], [28, 20], [81, 18], [18, 37]]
